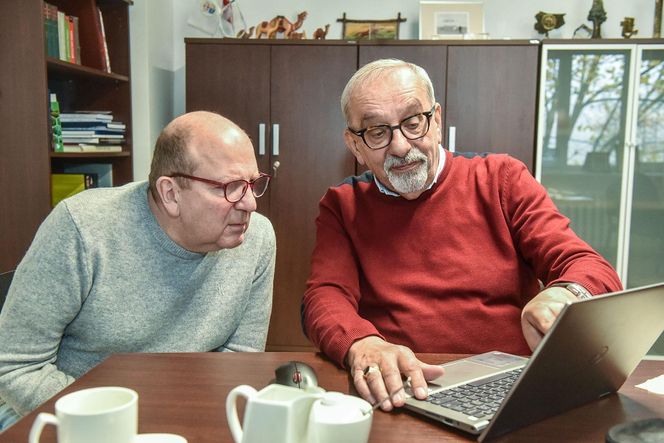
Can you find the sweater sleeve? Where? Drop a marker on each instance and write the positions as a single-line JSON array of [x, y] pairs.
[[251, 333], [45, 296], [544, 238], [330, 305]]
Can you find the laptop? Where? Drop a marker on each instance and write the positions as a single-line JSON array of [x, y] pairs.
[[591, 349]]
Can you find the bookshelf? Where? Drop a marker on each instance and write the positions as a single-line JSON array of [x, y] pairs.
[[28, 75]]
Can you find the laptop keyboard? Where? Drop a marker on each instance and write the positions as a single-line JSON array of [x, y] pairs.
[[480, 398]]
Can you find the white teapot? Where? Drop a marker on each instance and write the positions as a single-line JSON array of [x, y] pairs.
[[283, 414]]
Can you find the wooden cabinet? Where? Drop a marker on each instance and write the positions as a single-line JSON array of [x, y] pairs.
[[24, 163], [286, 94], [27, 159]]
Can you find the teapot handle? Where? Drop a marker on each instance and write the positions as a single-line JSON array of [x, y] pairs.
[[231, 409]]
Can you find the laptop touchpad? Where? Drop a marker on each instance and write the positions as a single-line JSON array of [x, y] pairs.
[[475, 367]]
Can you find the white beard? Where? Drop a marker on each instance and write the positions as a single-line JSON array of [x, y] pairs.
[[411, 181]]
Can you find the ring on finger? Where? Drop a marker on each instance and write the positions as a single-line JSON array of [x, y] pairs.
[[370, 370]]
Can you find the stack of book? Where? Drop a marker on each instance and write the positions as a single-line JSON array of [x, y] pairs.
[[91, 131], [62, 35]]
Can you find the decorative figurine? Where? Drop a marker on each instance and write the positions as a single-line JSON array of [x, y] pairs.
[[280, 24], [244, 33], [298, 35], [582, 31], [320, 34], [597, 15], [547, 22], [628, 27], [657, 28]]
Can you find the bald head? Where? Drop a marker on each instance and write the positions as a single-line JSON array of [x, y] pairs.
[[193, 139]]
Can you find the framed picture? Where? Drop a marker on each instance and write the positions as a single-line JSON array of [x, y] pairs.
[[451, 19], [370, 29]]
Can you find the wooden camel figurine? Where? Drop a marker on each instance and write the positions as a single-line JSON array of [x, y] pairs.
[[319, 34], [280, 24], [298, 35]]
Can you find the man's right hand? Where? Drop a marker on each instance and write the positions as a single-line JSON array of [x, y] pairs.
[[394, 363]]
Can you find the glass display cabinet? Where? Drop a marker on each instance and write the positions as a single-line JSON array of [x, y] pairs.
[[600, 150]]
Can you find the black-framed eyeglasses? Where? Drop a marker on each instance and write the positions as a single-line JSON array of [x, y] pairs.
[[380, 136], [234, 190]]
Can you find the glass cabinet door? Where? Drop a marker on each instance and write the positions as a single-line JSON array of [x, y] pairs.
[[582, 136], [601, 152], [645, 263]]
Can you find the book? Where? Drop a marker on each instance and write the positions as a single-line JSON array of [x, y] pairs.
[[77, 41], [66, 132], [94, 125], [85, 147], [62, 48], [50, 13], [66, 185], [104, 172], [70, 40], [91, 116], [91, 140], [104, 48]]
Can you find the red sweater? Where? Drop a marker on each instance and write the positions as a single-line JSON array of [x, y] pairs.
[[447, 272]]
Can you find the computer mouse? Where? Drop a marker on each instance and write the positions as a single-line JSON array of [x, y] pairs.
[[297, 374]]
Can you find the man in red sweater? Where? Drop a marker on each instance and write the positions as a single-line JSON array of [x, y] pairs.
[[431, 251]]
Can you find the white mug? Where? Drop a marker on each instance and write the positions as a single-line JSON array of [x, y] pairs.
[[100, 415]]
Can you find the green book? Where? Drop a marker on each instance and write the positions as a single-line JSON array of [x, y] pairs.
[[66, 185]]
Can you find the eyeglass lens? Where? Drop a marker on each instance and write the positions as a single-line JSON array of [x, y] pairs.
[[412, 128], [235, 190]]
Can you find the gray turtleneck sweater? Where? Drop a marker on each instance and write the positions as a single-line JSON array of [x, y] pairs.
[[102, 277]]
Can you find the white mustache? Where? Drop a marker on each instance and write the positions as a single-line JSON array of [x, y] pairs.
[[413, 155]]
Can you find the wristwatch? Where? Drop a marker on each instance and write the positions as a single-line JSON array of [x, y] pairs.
[[579, 291]]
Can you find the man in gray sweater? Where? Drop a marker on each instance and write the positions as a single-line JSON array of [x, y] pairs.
[[168, 265]]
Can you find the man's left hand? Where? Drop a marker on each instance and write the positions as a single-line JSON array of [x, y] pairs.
[[540, 313]]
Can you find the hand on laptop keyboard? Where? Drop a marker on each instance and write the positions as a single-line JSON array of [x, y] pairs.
[[379, 368]]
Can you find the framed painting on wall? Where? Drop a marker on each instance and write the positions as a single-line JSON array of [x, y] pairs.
[[451, 19], [370, 29]]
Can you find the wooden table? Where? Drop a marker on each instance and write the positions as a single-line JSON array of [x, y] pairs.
[[185, 394]]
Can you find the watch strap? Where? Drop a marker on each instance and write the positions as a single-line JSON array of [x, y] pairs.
[[579, 291]]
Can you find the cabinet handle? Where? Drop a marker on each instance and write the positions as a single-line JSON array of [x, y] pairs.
[[275, 166], [261, 139], [275, 139], [451, 142]]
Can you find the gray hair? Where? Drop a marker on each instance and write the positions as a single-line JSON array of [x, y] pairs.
[[375, 69]]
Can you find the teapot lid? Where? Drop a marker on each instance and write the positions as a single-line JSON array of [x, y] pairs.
[[335, 407]]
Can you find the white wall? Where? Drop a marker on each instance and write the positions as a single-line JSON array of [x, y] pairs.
[[158, 29]]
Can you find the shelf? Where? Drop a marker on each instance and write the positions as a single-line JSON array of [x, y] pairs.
[[63, 69], [103, 2], [89, 154]]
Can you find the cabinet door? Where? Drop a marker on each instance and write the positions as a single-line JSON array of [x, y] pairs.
[[233, 80], [306, 84], [584, 114], [491, 99]]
